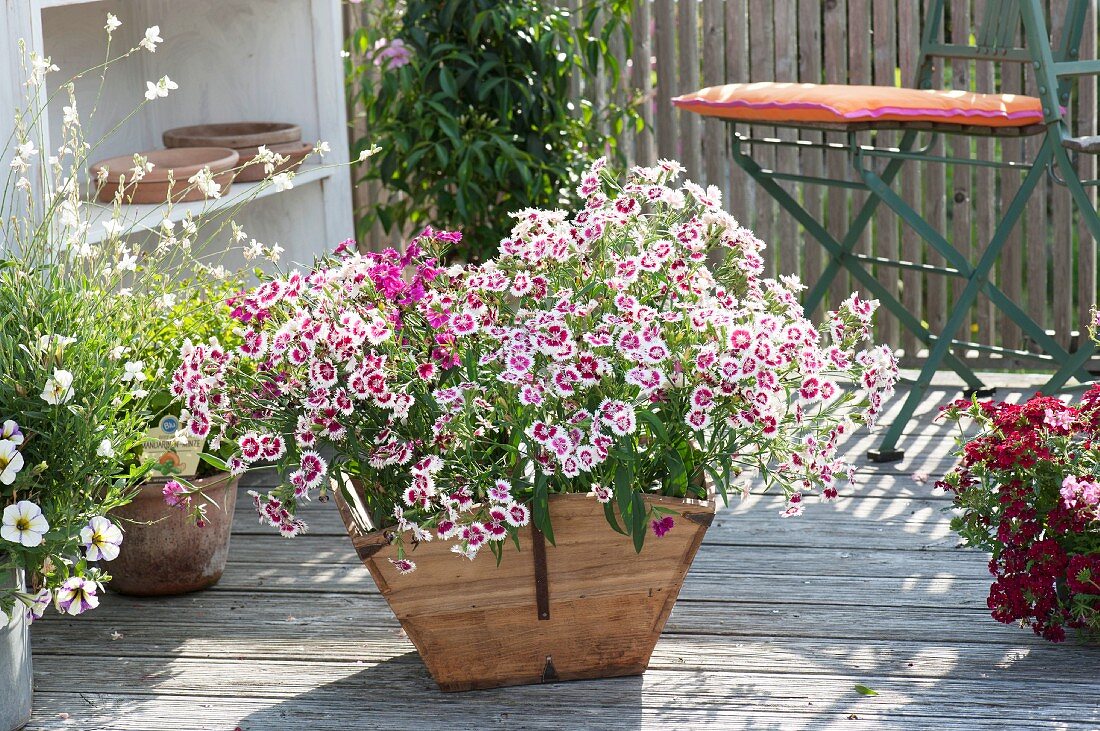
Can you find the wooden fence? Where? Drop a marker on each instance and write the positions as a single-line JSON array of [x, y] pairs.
[[1048, 266]]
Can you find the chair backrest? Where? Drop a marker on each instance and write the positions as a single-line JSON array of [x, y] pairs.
[[997, 37], [996, 34]]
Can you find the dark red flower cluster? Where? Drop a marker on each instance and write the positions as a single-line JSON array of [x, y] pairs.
[[1018, 489]]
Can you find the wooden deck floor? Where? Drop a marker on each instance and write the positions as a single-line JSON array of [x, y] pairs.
[[777, 623]]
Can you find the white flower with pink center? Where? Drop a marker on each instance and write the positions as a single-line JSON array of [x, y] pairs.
[[250, 446], [313, 467], [500, 492], [517, 515], [603, 494]]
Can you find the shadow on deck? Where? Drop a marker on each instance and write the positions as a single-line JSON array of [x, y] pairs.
[[778, 620]]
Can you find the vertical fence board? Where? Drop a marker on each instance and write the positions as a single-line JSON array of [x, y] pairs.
[[859, 72], [785, 236], [809, 70], [714, 73], [762, 67], [836, 166], [912, 282], [961, 189], [641, 79], [687, 28], [1061, 295], [885, 40], [984, 192], [742, 195], [664, 46], [1011, 274], [619, 87], [1086, 166], [935, 212], [1036, 226]]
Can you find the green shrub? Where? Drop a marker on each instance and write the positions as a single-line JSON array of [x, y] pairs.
[[470, 103]]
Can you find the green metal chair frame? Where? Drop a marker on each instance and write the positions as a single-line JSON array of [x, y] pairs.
[[995, 41]]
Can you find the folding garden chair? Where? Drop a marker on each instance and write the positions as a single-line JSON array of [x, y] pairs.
[[853, 109]]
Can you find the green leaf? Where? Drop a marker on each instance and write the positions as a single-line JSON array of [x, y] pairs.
[[540, 507], [214, 462], [609, 513], [624, 488], [639, 516], [447, 82], [654, 423], [864, 690]]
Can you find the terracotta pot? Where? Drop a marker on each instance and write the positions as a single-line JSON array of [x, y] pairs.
[[15, 664], [182, 163], [170, 555], [252, 170], [233, 134], [587, 607]]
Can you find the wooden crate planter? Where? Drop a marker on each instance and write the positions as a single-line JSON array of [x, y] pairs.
[[587, 607]]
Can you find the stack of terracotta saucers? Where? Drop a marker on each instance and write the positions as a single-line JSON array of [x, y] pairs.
[[246, 138], [170, 174], [230, 151]]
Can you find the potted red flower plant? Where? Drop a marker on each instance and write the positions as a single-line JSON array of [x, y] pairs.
[[1027, 491]]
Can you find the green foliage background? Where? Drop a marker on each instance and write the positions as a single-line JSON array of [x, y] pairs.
[[481, 121]]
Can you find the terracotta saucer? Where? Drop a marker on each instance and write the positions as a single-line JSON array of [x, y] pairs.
[[181, 162], [233, 134], [252, 170]]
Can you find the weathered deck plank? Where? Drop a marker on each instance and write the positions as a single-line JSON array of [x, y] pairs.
[[777, 622]]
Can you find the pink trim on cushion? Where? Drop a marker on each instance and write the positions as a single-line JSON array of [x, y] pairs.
[[1037, 114]]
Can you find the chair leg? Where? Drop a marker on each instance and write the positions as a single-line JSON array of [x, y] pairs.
[[837, 261], [976, 280], [1074, 364], [817, 231]]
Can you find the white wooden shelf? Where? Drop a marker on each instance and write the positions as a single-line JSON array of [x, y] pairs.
[[60, 3], [145, 217], [234, 60]]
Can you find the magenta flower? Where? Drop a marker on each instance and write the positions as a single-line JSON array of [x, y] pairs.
[[391, 54], [662, 525], [175, 495]]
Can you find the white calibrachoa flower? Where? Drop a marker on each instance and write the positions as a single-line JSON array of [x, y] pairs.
[[101, 539], [11, 461], [9, 431], [59, 387], [76, 596], [105, 449], [597, 349], [23, 523]]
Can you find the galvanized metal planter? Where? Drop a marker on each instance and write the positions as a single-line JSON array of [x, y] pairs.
[[587, 607], [15, 665], [163, 553]]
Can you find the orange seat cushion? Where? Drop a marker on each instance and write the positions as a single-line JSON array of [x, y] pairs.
[[788, 103]]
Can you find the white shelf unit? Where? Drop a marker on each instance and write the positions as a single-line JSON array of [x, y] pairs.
[[234, 60]]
